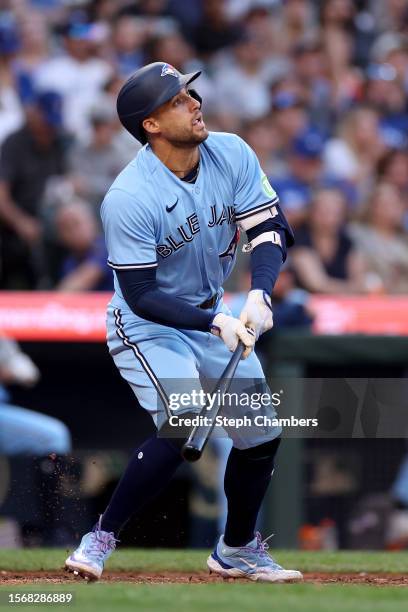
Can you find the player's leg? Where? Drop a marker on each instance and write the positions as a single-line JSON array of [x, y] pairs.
[[149, 361], [251, 460], [240, 551]]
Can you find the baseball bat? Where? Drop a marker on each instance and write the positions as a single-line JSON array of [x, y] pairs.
[[198, 438]]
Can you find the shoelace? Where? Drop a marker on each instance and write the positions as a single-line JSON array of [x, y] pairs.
[[101, 542], [262, 546]]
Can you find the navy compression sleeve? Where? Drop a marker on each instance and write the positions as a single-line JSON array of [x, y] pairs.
[[266, 261], [266, 258], [139, 288]]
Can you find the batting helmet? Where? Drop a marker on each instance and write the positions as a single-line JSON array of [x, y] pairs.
[[147, 89]]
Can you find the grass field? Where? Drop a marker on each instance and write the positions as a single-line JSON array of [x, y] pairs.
[[125, 596]]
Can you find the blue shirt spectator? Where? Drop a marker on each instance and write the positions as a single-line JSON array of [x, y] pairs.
[[85, 267]]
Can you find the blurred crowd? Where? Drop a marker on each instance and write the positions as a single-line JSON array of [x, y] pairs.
[[317, 88]]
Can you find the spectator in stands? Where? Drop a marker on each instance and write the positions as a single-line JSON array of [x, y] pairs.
[[385, 93], [397, 56], [304, 174], [263, 137], [271, 70], [24, 431], [290, 305], [94, 166], [393, 169], [337, 14], [310, 75], [346, 79], [324, 258], [34, 48], [85, 266], [265, 24], [243, 87], [390, 15], [215, 31], [174, 48], [29, 157], [11, 113], [129, 37], [290, 119], [79, 75], [354, 153], [180, 54], [298, 23], [380, 237]]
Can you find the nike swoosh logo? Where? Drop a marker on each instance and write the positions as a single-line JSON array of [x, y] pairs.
[[170, 208], [250, 565]]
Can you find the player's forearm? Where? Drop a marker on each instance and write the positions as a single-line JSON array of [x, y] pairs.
[[157, 306], [147, 301], [266, 262], [266, 257]]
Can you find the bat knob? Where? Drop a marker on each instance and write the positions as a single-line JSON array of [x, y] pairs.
[[190, 453]]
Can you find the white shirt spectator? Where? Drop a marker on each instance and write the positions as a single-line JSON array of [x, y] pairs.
[[340, 160], [242, 94], [79, 83], [11, 113]]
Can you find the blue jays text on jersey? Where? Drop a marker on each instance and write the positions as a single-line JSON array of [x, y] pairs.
[[187, 231]]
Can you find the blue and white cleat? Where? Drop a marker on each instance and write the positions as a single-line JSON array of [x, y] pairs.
[[89, 558], [251, 561]]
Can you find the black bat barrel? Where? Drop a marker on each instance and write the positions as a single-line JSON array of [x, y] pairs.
[[193, 448]]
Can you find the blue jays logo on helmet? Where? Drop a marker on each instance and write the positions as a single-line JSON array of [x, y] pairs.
[[168, 69]]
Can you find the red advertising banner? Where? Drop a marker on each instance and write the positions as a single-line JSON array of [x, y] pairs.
[[52, 316], [379, 315]]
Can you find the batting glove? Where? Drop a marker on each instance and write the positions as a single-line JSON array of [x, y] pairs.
[[257, 312], [231, 330]]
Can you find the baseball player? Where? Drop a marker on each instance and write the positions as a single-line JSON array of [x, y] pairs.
[[172, 219]]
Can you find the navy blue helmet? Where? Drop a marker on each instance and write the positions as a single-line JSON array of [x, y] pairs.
[[147, 89]]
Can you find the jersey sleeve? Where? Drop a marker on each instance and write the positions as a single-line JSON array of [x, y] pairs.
[[129, 232], [253, 193]]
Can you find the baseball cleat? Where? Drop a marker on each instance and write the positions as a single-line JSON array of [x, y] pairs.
[[251, 561], [89, 558]]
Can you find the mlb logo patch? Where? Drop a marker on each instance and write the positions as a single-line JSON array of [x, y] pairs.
[[168, 69]]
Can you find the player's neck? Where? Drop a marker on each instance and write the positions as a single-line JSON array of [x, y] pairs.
[[180, 161]]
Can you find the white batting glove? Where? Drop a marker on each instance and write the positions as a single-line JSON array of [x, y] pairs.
[[257, 312], [231, 330]]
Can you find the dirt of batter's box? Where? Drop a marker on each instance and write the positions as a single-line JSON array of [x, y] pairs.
[[168, 577]]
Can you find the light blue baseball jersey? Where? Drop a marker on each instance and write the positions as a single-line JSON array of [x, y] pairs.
[[188, 231]]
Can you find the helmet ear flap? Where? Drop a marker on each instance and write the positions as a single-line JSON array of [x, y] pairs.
[[193, 93]]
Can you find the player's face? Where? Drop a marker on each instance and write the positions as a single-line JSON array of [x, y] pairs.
[[180, 121]]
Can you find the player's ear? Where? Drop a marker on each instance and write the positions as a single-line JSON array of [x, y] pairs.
[[151, 125]]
